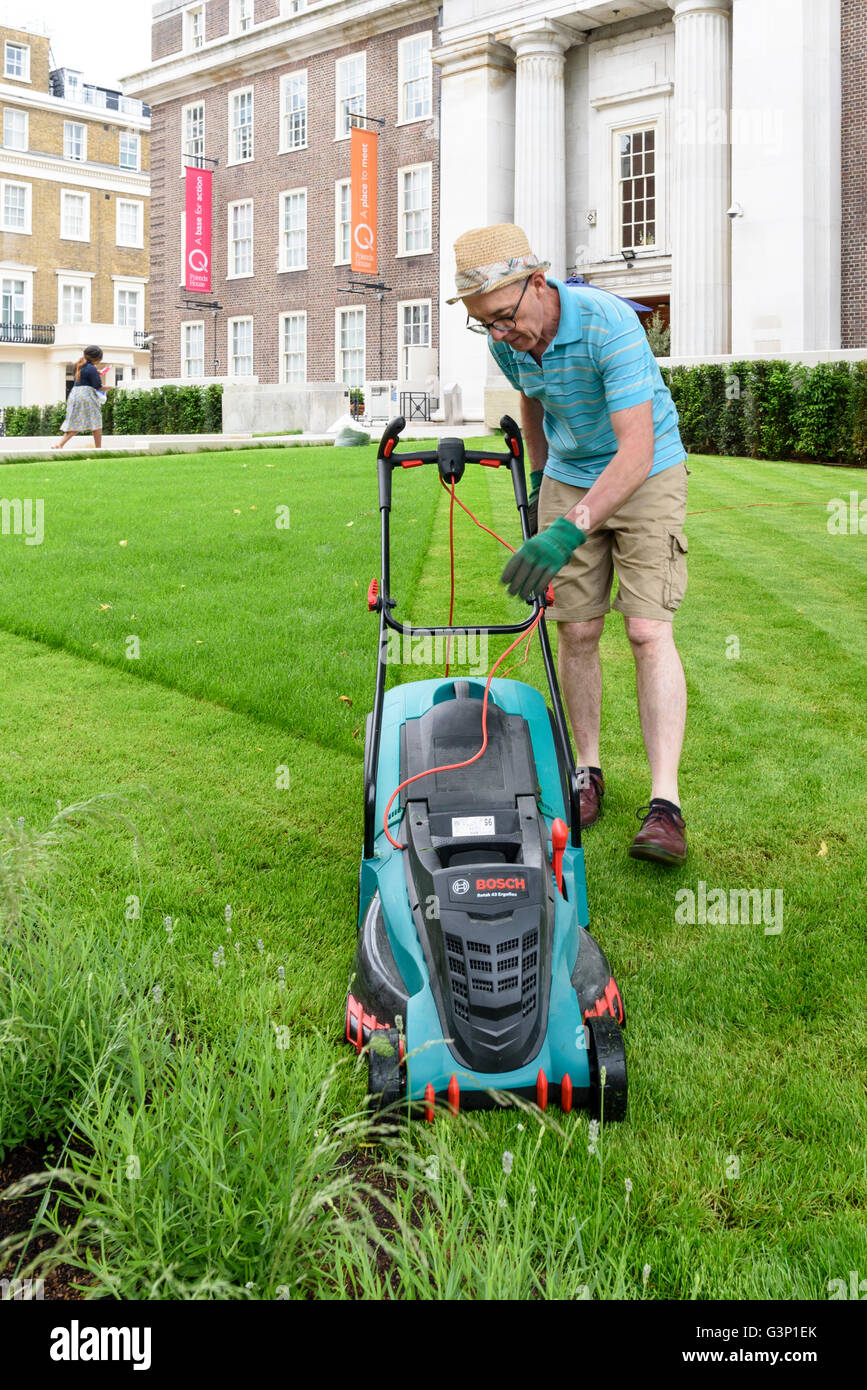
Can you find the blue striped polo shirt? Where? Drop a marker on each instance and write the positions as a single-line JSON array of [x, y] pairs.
[[599, 361]]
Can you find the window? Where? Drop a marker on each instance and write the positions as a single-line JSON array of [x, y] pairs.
[[193, 135], [72, 304], [413, 330], [13, 299], [240, 239], [241, 126], [414, 197], [243, 16], [15, 134], [293, 347], [293, 229], [637, 183], [74, 140], [195, 27], [15, 206], [74, 216], [72, 86], [342, 221], [414, 78], [127, 306], [130, 223], [350, 346], [193, 349], [130, 150], [293, 112], [11, 383], [17, 61], [240, 347], [349, 85]]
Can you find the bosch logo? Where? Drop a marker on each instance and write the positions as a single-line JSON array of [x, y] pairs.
[[483, 883], [461, 885]]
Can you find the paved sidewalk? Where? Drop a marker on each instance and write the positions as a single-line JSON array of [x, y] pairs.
[[39, 446]]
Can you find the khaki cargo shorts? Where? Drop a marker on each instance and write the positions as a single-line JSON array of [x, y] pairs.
[[643, 542]]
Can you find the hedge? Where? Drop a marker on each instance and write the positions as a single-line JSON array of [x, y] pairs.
[[773, 410], [163, 410]]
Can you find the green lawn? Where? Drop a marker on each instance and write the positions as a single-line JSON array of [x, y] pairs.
[[230, 750]]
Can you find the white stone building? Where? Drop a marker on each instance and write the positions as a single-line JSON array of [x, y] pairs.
[[701, 137]]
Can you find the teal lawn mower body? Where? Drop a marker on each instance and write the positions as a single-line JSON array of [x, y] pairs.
[[475, 977]]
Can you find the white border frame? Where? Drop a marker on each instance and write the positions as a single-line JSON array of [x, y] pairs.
[[290, 314], [188, 323], [345, 309], [282, 268], [409, 169], [230, 129], [76, 193], [230, 259], [281, 113], [401, 45]]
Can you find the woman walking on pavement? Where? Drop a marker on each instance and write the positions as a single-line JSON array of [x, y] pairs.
[[83, 410]]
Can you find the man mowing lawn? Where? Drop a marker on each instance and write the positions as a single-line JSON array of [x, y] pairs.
[[608, 493]]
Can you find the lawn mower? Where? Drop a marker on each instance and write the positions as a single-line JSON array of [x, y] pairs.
[[475, 979]]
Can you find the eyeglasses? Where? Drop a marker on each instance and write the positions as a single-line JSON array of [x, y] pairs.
[[503, 325]]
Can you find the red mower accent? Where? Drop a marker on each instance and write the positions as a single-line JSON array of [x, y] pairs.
[[360, 1025], [411, 463], [429, 1102], [373, 594], [490, 463], [386, 453], [549, 594], [454, 1096], [609, 1002], [559, 837], [566, 1094], [542, 1090], [516, 448]]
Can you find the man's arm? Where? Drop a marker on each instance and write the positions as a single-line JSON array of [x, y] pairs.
[[626, 471]]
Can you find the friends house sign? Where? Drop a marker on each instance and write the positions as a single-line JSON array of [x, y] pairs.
[[198, 231], [363, 145]]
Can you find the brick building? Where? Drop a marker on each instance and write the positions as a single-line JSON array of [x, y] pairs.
[[261, 93], [74, 191]]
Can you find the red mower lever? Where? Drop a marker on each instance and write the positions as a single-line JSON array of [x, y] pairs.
[[559, 838], [373, 595]]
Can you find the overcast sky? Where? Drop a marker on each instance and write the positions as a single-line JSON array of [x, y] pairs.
[[105, 41]]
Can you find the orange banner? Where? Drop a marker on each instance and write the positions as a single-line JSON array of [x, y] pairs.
[[363, 228]]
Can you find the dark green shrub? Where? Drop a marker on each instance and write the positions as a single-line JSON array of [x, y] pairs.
[[191, 410], [768, 410], [125, 412], [212, 415], [731, 436], [856, 427], [685, 387], [712, 382], [153, 412], [821, 412]]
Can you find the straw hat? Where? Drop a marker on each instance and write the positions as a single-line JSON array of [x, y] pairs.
[[487, 258]]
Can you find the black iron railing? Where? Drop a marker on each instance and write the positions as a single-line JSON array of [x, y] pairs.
[[26, 332]]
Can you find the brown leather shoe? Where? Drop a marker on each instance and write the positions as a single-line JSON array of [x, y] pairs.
[[661, 836], [591, 799]]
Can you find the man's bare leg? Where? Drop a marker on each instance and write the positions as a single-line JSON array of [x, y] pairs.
[[581, 683], [661, 701]]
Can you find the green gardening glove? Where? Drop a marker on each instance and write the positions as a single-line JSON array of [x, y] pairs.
[[531, 568], [533, 504]]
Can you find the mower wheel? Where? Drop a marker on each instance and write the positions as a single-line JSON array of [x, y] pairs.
[[384, 1074], [606, 1050]]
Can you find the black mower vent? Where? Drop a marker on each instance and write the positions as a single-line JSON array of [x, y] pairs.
[[528, 1005], [511, 945], [510, 982], [455, 944], [459, 987], [461, 1010], [529, 983], [530, 960], [481, 965], [511, 963], [486, 985], [481, 948], [456, 966], [531, 938]]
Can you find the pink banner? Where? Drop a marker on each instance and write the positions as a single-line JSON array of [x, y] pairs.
[[198, 231]]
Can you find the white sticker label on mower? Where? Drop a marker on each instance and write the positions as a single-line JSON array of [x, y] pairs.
[[473, 825]]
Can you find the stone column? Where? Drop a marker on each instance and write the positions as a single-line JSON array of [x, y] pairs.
[[477, 184], [701, 183], [540, 137]]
